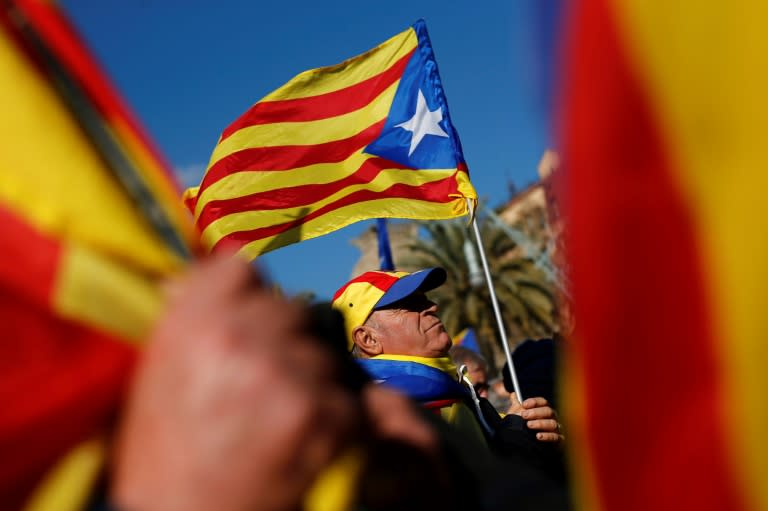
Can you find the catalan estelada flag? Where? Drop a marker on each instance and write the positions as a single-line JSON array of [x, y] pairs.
[[91, 222], [370, 137], [665, 123]]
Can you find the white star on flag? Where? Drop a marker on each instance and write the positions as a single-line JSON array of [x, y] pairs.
[[424, 122]]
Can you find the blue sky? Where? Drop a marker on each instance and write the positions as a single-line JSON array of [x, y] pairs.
[[188, 69]]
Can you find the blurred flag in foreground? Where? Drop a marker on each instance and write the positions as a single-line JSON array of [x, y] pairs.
[[370, 137], [90, 222], [666, 115]]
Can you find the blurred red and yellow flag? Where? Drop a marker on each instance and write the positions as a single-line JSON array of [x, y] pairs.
[[368, 138], [91, 221], [665, 123]]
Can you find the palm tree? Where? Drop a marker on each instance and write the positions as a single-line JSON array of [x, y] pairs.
[[526, 298]]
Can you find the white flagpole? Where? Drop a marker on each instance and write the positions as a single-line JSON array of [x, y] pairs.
[[496, 310]]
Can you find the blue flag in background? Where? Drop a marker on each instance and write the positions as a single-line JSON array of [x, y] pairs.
[[468, 340], [385, 253]]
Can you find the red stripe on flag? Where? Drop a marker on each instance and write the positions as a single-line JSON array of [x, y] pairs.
[[379, 280], [294, 196], [28, 259], [61, 382], [645, 333], [435, 192], [322, 106], [289, 157], [190, 202]]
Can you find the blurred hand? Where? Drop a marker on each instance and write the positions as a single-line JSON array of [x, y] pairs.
[[392, 416], [538, 416], [233, 406]]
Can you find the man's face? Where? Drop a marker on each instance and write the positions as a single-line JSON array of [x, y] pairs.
[[411, 327]]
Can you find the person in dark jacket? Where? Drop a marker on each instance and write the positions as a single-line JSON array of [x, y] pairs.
[[394, 332]]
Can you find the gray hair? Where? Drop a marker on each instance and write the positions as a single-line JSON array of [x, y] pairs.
[[461, 355]]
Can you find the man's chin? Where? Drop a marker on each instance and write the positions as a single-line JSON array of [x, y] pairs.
[[445, 343]]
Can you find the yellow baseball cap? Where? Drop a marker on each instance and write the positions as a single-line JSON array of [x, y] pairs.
[[375, 289]]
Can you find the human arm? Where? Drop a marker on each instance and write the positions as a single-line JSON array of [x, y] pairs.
[[233, 405]]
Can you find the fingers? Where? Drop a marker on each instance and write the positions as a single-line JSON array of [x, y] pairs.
[[544, 425], [549, 430], [542, 412], [232, 275], [549, 437], [542, 418], [534, 402], [202, 302]]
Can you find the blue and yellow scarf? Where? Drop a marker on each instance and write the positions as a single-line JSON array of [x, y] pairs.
[[420, 378]]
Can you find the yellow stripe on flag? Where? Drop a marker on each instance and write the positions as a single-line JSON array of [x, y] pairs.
[[705, 74], [307, 133], [355, 70], [90, 288], [59, 183], [347, 215], [240, 184], [571, 385], [67, 487], [255, 219]]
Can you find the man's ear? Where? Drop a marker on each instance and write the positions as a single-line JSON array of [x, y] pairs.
[[366, 341]]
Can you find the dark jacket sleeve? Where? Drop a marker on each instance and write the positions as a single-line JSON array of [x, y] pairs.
[[512, 439]]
